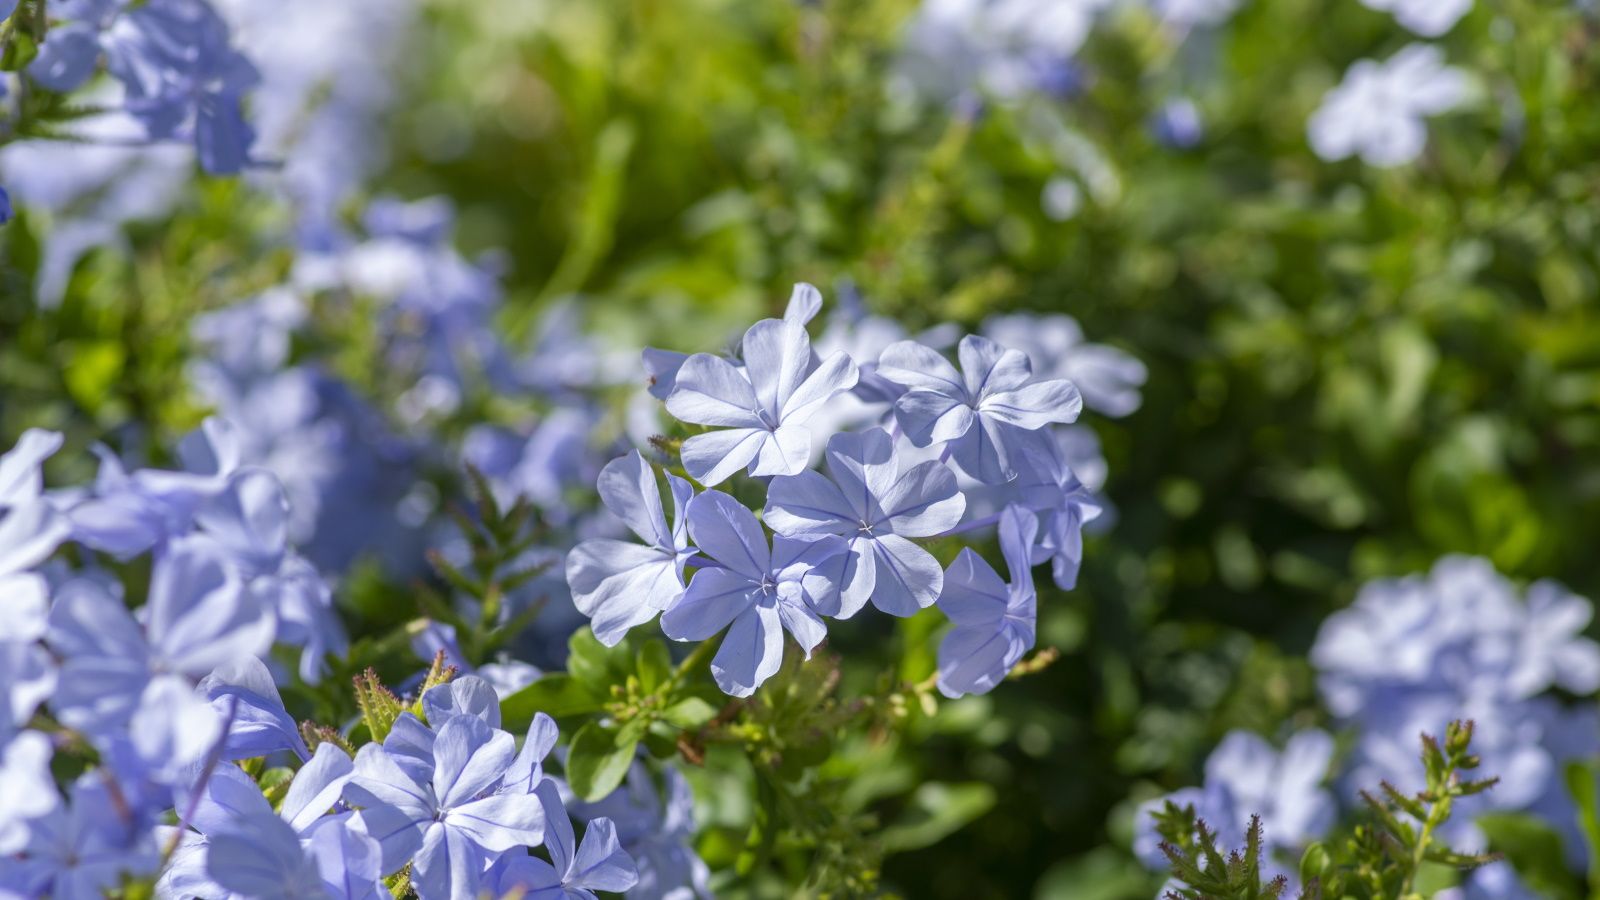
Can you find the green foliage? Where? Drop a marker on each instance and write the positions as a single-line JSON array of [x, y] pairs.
[[379, 708], [1200, 868], [1385, 857]]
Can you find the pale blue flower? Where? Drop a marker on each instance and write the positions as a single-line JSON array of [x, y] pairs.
[[1412, 654], [131, 513], [455, 820], [26, 784], [21, 467], [995, 622], [260, 725], [656, 827], [1049, 487], [1177, 124], [1109, 378], [1001, 48], [618, 584], [81, 850], [762, 411], [199, 617], [987, 413], [877, 508], [467, 695], [241, 847], [759, 591], [29, 534], [1379, 111], [184, 80], [261, 858], [597, 864]]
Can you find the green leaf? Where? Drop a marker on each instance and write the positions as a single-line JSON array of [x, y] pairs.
[[557, 696], [597, 761], [937, 811], [594, 664], [19, 52], [1534, 850], [690, 712], [1313, 863], [1582, 785], [654, 665], [379, 707]]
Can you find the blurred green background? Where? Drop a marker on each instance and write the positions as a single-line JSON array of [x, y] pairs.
[[1352, 370]]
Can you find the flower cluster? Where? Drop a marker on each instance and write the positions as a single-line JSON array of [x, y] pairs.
[[180, 76], [938, 443], [172, 713], [1413, 652], [1408, 657]]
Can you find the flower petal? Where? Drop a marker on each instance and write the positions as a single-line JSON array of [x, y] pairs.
[[908, 577], [469, 755], [1034, 406], [786, 452], [628, 488], [727, 532], [928, 417], [751, 653], [500, 822], [601, 863], [807, 504], [467, 695], [713, 457], [973, 594], [987, 367], [913, 366], [777, 355], [710, 391], [924, 501], [448, 866], [836, 374], [715, 598], [317, 786]]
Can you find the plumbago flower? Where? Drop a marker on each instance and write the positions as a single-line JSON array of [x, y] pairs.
[[1050, 487], [597, 864], [994, 622], [617, 584], [30, 530], [446, 798], [759, 591], [236, 514], [81, 850], [762, 410], [181, 77], [1456, 643], [1003, 48], [986, 414], [1109, 378], [235, 843], [126, 680], [1378, 112], [877, 508]]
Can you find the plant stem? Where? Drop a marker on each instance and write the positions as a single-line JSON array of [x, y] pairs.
[[1437, 814], [698, 657]]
